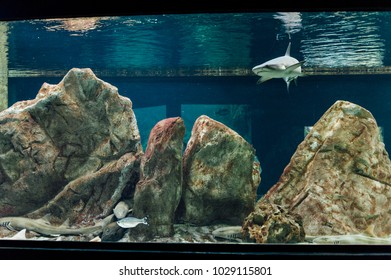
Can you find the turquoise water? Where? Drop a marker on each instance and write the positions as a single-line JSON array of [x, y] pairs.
[[242, 40], [188, 65]]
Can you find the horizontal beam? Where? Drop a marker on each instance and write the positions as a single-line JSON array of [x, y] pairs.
[[199, 72]]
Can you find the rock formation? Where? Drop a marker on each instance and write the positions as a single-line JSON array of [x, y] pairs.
[[67, 152], [94, 194], [220, 175], [270, 223], [159, 190], [339, 178]]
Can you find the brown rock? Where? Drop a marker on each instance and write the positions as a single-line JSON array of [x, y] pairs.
[[339, 178], [220, 175], [270, 223], [67, 146], [94, 194], [159, 190]]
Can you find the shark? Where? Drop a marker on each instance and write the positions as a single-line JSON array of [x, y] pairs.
[[285, 67], [348, 239], [43, 227]]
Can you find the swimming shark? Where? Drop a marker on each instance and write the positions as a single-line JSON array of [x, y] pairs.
[[285, 67]]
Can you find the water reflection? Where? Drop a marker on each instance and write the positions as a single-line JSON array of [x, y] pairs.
[[291, 23], [342, 39], [216, 41], [76, 26], [139, 42]]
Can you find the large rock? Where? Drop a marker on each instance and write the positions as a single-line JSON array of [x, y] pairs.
[[94, 194], [271, 223], [159, 190], [220, 175], [339, 178], [67, 141]]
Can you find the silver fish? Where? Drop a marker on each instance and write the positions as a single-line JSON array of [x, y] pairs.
[[131, 222]]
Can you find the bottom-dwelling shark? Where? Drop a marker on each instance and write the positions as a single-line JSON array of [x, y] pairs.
[[285, 67], [43, 227]]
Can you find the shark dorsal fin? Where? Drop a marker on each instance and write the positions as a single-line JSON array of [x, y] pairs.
[[65, 224], [370, 230], [45, 219], [288, 50]]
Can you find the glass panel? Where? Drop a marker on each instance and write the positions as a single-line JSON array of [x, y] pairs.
[[224, 98]]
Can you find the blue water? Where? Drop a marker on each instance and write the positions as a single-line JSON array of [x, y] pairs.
[[269, 117]]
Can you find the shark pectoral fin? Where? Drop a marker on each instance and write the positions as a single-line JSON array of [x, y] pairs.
[[263, 79], [21, 235], [294, 66]]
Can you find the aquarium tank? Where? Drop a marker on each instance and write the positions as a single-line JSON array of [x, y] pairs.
[[209, 128]]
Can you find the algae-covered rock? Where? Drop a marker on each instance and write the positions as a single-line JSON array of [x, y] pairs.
[[65, 149], [339, 178], [220, 175], [159, 190], [271, 223]]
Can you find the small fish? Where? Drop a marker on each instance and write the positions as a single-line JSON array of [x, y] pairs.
[[229, 233], [131, 222]]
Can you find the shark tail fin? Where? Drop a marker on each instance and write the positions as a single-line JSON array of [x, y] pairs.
[[288, 50]]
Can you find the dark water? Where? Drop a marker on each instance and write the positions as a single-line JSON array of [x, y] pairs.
[[269, 117]]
